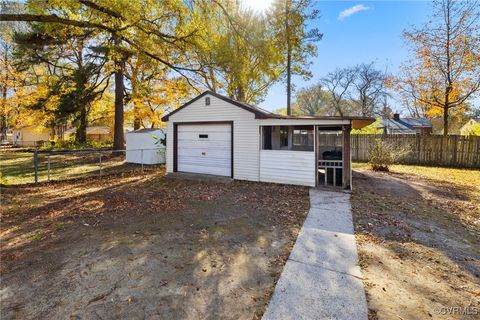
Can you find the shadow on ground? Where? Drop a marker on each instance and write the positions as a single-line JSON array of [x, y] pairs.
[[145, 247], [419, 244]]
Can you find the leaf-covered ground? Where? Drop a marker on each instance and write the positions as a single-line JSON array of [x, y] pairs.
[[147, 246], [418, 234]]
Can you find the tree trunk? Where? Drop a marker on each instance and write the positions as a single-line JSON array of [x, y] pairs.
[[119, 99], [136, 122], [119, 95], [81, 134], [445, 121], [3, 117], [448, 89], [289, 58], [134, 83], [240, 94], [289, 83]]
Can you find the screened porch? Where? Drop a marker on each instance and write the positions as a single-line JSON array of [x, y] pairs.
[[310, 154]]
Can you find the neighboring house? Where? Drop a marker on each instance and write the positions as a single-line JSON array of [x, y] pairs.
[[213, 134], [30, 136], [399, 125], [94, 133], [472, 127]]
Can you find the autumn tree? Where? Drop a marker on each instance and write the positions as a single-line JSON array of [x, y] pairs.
[[444, 72], [152, 91], [314, 101], [75, 66], [159, 30], [236, 49], [294, 40], [10, 78]]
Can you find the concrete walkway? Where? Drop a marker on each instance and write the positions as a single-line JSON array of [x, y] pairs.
[[322, 279]]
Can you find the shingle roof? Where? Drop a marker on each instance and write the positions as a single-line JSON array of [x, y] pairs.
[[417, 122], [404, 125], [394, 125]]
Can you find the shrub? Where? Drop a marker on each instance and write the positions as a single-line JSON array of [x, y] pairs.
[[71, 144], [3, 179], [383, 154]]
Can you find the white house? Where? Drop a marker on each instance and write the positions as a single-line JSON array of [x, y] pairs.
[[30, 136], [213, 134], [144, 146]]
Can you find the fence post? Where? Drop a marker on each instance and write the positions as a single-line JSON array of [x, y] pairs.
[[48, 168], [100, 161], [141, 158], [35, 165]]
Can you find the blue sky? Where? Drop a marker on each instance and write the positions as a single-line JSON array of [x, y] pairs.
[[373, 32]]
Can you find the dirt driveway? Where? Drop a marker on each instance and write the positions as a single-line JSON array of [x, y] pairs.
[[418, 234], [145, 247]]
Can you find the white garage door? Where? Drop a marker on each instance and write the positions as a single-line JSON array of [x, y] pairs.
[[205, 149]]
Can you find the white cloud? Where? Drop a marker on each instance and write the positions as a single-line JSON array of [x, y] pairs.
[[351, 11]]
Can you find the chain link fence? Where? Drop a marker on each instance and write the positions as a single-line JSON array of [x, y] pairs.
[[34, 166]]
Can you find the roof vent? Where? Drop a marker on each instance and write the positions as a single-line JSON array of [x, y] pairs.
[[207, 101], [396, 116]]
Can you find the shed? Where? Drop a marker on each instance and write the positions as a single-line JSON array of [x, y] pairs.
[[213, 134], [30, 136], [144, 146]]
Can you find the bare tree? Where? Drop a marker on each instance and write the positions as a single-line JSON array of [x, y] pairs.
[[370, 88], [385, 111], [339, 83]]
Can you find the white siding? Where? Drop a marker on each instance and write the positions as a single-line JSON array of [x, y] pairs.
[[245, 133], [27, 137], [290, 167]]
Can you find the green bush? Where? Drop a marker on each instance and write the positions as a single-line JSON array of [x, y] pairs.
[[71, 144], [383, 154], [3, 180]]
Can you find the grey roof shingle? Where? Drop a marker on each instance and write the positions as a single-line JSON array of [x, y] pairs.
[[404, 125], [417, 122]]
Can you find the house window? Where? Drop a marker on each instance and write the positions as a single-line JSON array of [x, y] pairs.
[[303, 138], [295, 138], [207, 101], [267, 138], [203, 136], [283, 136]]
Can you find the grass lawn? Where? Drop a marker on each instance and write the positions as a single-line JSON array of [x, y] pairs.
[[418, 235], [132, 246], [17, 166]]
